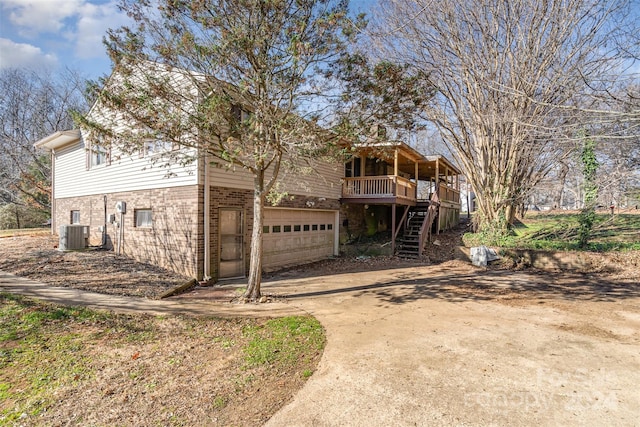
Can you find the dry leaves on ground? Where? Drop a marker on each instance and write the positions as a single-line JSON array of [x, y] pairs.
[[37, 258]]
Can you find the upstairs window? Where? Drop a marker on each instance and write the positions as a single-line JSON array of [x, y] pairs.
[[239, 118], [97, 154], [352, 168], [156, 146]]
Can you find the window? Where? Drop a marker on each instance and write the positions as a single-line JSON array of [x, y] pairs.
[[307, 227], [143, 218], [75, 217], [352, 168], [314, 227], [239, 119], [329, 226], [97, 154], [265, 229], [322, 227], [296, 228], [275, 229], [287, 229], [348, 169], [156, 146]]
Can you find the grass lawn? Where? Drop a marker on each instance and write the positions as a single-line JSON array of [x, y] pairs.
[[559, 231], [75, 366]]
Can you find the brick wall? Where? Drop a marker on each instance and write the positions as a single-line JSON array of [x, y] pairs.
[[352, 221], [230, 198], [175, 239]]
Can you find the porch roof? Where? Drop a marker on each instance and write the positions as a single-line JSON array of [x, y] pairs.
[[407, 158]]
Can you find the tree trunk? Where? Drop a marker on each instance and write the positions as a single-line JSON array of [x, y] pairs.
[[17, 212], [255, 260], [494, 215], [562, 179]]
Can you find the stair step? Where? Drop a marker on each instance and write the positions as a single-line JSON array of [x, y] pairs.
[[409, 244]]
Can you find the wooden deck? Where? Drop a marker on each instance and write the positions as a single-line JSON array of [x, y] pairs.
[[379, 189]]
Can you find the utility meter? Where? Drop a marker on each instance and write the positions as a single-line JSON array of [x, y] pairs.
[[121, 207]]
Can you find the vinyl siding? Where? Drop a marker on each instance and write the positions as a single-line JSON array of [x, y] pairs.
[[324, 181], [129, 173]]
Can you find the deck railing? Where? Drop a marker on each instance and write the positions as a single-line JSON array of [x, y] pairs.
[[378, 186], [448, 194]]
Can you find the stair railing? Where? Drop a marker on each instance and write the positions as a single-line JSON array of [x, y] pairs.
[[402, 224], [425, 230]]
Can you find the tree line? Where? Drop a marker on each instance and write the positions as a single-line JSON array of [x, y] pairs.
[[34, 104]]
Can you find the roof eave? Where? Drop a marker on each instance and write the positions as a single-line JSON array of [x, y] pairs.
[[58, 139]]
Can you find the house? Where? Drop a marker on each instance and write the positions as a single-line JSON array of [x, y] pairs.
[[196, 219]]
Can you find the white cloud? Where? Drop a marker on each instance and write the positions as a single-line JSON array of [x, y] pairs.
[[19, 55], [92, 25], [75, 26], [34, 17]]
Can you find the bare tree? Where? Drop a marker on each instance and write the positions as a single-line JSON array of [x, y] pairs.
[[33, 105], [236, 80], [513, 79]]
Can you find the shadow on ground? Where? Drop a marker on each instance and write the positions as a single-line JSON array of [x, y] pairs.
[[407, 285]]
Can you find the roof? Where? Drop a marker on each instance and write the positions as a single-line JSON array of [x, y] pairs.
[[58, 139], [408, 157]]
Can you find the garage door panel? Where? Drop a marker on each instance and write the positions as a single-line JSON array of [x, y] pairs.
[[309, 236]]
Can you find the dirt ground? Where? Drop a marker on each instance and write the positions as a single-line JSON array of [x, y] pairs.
[[580, 299], [146, 377]]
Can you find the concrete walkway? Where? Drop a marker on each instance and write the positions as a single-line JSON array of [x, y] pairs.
[[414, 346], [125, 304]]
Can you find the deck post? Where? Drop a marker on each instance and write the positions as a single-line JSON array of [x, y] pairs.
[[393, 229], [395, 162]]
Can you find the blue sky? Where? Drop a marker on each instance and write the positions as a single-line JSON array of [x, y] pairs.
[[58, 33]]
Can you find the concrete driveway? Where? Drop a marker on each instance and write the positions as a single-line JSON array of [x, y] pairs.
[[433, 346], [445, 345]]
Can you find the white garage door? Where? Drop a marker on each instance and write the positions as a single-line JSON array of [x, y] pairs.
[[293, 236]]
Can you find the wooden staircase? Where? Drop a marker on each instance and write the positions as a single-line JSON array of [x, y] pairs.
[[418, 229]]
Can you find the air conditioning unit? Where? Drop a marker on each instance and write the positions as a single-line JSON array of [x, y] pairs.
[[73, 237]]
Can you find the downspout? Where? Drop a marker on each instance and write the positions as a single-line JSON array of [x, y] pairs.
[[53, 191], [207, 221], [103, 244], [336, 235]]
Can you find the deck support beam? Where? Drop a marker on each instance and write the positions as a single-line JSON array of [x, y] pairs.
[[393, 229]]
